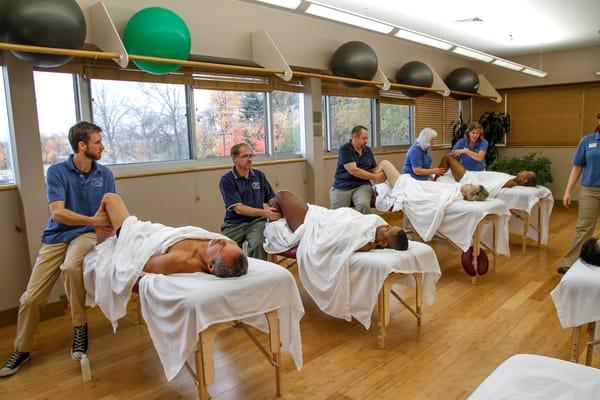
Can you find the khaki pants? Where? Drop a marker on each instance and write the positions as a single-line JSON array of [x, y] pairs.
[[65, 259], [589, 210], [359, 196]]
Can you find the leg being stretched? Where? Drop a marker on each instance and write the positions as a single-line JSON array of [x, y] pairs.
[[292, 209], [113, 206], [448, 162], [391, 173]]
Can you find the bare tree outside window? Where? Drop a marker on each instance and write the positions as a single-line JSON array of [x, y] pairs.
[[6, 166], [224, 118], [344, 114], [142, 122], [55, 105], [395, 124]]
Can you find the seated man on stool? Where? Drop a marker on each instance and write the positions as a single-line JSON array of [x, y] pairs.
[[245, 191], [356, 166]]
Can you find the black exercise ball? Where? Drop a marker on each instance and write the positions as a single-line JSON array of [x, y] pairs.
[[463, 80], [414, 73], [354, 60], [49, 23]]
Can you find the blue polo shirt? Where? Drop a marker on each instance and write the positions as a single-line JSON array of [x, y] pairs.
[[416, 157], [588, 157], [343, 180], [82, 193], [467, 162], [252, 192]]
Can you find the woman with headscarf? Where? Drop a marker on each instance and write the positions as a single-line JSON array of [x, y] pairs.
[[418, 158]]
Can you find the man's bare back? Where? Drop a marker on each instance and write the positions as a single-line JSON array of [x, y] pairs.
[[186, 255]]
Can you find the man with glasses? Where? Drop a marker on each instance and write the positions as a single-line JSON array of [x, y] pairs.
[[245, 191]]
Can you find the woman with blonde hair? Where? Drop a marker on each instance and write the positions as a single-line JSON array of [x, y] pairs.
[[471, 149]]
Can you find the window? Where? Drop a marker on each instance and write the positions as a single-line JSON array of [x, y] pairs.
[[6, 165], [287, 121], [438, 113], [141, 122], [344, 113], [395, 125], [56, 110], [224, 118]]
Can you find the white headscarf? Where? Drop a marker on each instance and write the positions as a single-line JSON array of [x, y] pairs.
[[425, 137]]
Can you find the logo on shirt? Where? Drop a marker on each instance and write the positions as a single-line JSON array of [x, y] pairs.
[[96, 182], [256, 185]]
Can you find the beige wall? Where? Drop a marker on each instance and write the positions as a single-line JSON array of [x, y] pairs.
[[222, 28]]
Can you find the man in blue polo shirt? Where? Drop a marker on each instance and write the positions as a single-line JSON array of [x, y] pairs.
[[355, 168], [245, 191], [75, 188]]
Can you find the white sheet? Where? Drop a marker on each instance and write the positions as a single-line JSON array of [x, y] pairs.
[[524, 198], [177, 307], [527, 376], [520, 198], [365, 273], [577, 295], [119, 263], [447, 213]]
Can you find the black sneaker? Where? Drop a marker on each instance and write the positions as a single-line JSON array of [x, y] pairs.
[[14, 363], [80, 342], [562, 270]]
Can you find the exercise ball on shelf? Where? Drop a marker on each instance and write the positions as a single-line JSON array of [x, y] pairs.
[[354, 60], [414, 73], [157, 32], [46, 23], [463, 80]]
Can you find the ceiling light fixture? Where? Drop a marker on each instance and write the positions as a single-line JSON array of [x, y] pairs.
[[507, 64], [347, 18], [291, 4], [422, 39], [477, 55], [535, 72]]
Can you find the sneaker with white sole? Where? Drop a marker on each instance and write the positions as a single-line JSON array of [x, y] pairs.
[[80, 342], [14, 363]]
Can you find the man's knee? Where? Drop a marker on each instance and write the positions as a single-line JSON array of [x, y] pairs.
[[28, 299], [385, 164]]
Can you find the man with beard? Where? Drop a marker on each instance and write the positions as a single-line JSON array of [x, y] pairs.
[[75, 189]]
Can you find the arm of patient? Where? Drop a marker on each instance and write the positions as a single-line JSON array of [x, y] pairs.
[[170, 263], [367, 247]]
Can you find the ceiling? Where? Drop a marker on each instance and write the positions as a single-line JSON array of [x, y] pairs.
[[503, 28]]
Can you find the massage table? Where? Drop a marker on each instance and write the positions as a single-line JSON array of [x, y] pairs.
[[375, 276], [528, 376], [184, 312], [577, 302], [531, 208]]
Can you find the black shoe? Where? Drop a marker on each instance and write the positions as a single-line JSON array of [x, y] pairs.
[[80, 342], [14, 363], [562, 270]]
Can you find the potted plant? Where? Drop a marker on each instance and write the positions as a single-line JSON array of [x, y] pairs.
[[459, 128], [495, 126], [535, 162]]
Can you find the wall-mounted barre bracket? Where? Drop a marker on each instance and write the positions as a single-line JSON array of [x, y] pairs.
[[438, 83], [266, 54], [486, 89], [105, 35], [380, 76]]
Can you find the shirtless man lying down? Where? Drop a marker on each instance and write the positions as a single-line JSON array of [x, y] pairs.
[[187, 253]]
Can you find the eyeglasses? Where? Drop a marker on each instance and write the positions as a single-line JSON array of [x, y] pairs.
[[246, 156]]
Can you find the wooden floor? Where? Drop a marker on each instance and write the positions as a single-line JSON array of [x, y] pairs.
[[466, 333]]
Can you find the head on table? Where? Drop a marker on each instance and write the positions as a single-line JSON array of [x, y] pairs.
[[590, 252], [473, 192], [526, 178], [391, 237]]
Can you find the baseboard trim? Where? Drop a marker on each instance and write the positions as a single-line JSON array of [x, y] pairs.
[[51, 310]]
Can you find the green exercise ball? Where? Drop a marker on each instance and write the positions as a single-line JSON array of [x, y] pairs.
[[157, 32]]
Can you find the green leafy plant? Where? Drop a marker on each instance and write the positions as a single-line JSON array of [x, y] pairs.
[[535, 162], [459, 128], [495, 126]]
